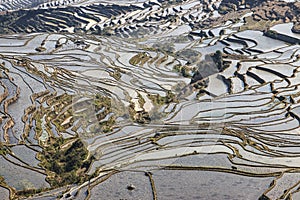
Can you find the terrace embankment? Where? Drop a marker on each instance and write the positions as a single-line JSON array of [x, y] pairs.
[[282, 37]]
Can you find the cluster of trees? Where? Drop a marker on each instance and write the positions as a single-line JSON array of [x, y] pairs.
[[210, 65], [3, 149], [64, 165], [233, 5], [159, 100], [104, 104], [199, 69]]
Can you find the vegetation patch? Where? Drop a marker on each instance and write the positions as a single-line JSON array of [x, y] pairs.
[[159, 100], [103, 108], [3, 149], [65, 161], [139, 59], [261, 25], [212, 64]]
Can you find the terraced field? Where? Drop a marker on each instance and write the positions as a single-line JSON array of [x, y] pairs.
[[150, 99]]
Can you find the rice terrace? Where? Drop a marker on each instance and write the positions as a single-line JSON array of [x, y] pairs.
[[150, 99]]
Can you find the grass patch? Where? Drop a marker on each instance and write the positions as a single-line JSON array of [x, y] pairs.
[[261, 25]]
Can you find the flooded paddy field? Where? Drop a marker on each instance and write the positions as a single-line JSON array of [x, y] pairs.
[[150, 100]]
